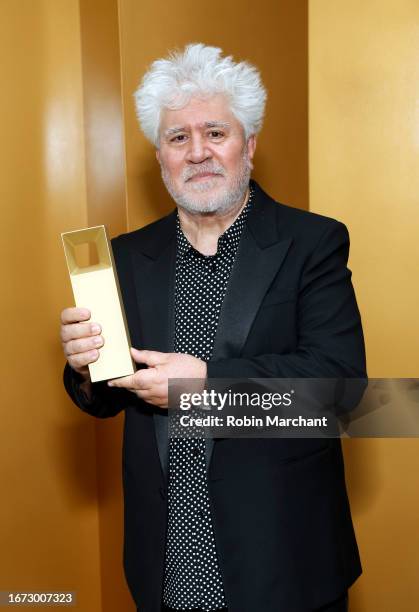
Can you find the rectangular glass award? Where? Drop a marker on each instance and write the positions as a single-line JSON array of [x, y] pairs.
[[96, 287]]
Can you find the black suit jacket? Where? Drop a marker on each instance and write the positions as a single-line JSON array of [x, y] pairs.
[[280, 510]]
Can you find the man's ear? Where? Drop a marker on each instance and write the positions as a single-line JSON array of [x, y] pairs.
[[251, 146]]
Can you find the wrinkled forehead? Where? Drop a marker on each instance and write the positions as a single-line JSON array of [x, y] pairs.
[[198, 113]]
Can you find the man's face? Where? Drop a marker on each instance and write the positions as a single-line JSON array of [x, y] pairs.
[[204, 157]]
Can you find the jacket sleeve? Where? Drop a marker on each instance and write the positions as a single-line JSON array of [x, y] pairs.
[[105, 401], [330, 339]]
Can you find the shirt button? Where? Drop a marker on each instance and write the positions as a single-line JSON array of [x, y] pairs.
[[201, 513], [196, 451]]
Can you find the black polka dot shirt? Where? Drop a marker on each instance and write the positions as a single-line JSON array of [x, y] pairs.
[[192, 573]]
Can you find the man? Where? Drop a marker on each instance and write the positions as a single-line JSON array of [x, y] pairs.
[[235, 285]]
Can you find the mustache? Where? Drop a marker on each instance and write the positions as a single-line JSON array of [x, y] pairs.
[[205, 167]]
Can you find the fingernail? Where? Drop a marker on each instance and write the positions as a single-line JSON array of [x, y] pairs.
[[97, 341], [110, 384], [95, 328]]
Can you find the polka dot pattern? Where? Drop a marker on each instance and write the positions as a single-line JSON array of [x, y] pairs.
[[192, 574]]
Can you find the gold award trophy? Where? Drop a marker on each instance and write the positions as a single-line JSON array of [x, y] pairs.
[[96, 287]]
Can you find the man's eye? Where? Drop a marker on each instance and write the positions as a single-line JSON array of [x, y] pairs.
[[178, 138], [216, 134]]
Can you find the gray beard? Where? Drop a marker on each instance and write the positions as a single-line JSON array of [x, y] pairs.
[[220, 204]]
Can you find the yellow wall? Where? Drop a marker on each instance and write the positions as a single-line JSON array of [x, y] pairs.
[[49, 537], [69, 68], [364, 145]]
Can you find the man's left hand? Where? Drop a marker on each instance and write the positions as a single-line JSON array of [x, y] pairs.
[[151, 383]]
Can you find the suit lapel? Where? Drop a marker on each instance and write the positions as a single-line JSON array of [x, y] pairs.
[[260, 254], [154, 288], [154, 279], [253, 272]]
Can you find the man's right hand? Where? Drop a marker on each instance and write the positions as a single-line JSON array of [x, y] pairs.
[[81, 339]]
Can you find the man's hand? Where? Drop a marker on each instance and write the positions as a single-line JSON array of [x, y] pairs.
[[81, 339], [151, 384]]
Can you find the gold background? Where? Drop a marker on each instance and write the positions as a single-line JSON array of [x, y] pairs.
[[364, 154], [341, 137]]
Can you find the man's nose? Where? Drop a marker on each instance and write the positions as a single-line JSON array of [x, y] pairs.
[[198, 150]]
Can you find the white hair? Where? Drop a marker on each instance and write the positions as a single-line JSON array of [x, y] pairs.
[[199, 70]]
